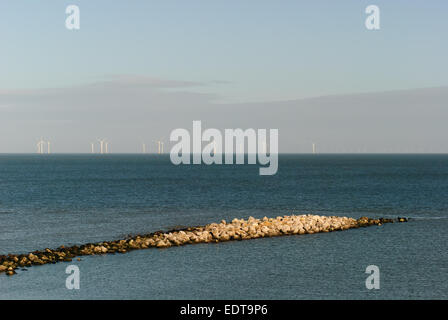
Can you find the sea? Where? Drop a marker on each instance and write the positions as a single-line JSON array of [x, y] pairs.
[[53, 200]]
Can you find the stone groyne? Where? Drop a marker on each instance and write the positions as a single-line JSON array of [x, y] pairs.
[[237, 229]]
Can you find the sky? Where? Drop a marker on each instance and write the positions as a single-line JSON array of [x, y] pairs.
[[136, 70]]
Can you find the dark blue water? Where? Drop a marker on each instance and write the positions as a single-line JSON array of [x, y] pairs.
[[49, 200]]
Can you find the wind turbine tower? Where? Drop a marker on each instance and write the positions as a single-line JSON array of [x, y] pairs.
[[160, 145], [101, 141], [314, 148], [40, 146]]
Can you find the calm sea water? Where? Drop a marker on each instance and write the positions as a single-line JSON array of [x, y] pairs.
[[49, 200]]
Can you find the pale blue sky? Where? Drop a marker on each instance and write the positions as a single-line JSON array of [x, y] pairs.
[[261, 50], [139, 69]]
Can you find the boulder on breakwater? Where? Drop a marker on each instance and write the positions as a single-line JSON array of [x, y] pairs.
[[237, 229]]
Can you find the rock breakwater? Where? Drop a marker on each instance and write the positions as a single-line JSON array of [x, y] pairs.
[[237, 229]]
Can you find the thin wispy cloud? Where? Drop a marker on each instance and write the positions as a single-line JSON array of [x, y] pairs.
[[140, 80]]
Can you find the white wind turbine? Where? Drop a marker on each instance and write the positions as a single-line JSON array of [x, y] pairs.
[[101, 141], [160, 146], [40, 146]]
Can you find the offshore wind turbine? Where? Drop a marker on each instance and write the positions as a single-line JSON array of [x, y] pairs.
[[160, 147], [143, 147], [314, 148], [101, 141], [42, 143], [92, 147], [40, 146], [48, 147]]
